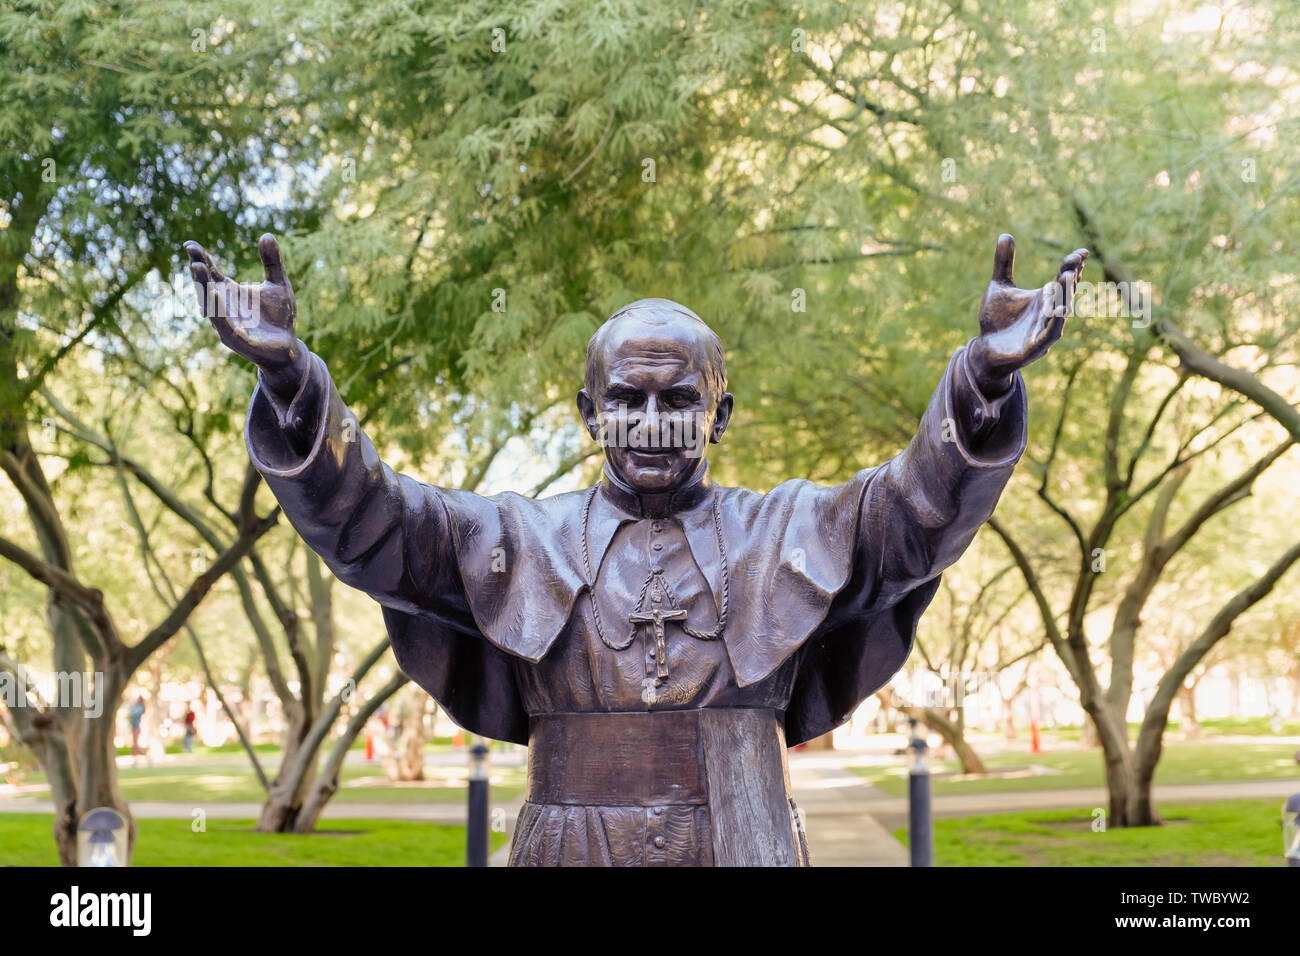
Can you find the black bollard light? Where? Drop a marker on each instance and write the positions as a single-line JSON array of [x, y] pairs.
[[920, 826], [476, 829], [1291, 830], [102, 838]]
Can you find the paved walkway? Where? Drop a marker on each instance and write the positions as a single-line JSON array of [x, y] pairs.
[[836, 809]]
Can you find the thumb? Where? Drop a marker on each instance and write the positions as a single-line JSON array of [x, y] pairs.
[[1004, 259], [268, 250]]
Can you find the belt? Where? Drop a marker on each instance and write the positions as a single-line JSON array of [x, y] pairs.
[[730, 760], [639, 759]]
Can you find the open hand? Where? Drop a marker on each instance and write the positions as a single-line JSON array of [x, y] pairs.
[[255, 321], [1018, 326]]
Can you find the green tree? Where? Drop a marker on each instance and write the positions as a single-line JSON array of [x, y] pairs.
[[120, 122]]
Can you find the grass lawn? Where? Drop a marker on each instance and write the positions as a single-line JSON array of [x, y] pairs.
[[1198, 762], [25, 840], [1222, 833], [233, 781]]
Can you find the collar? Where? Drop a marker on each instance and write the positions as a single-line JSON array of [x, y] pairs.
[[642, 505]]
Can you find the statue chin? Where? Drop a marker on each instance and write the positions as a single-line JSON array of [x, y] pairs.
[[648, 473]]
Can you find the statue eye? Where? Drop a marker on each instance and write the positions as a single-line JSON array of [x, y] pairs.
[[625, 396]]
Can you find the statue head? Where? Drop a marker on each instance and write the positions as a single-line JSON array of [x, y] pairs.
[[655, 394]]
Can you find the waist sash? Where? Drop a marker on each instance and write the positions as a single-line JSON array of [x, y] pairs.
[[731, 760]]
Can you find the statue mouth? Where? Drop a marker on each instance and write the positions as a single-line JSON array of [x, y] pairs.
[[653, 454]]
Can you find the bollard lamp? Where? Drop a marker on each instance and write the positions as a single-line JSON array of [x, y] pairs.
[[1291, 830], [478, 769], [101, 838], [919, 748]]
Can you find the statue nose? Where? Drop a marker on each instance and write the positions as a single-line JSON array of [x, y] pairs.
[[650, 426]]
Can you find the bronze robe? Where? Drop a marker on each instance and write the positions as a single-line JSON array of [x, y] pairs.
[[488, 604]]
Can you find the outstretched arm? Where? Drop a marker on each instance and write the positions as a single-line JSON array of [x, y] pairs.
[[386, 534], [921, 510]]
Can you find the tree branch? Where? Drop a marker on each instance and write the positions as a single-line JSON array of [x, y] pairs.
[[1197, 360], [198, 590], [1050, 627]]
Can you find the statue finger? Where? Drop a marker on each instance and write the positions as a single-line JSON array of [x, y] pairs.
[[1070, 274], [1062, 293], [1074, 262], [214, 296], [1055, 326], [1063, 307], [204, 289], [198, 254], [269, 251], [1004, 259]]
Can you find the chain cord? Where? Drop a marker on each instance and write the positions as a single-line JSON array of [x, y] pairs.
[[712, 634]]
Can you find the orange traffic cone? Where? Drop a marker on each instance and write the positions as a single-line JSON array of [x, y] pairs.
[[459, 739], [370, 747], [1035, 747]]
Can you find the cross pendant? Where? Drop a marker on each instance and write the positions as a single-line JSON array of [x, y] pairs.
[[657, 616]]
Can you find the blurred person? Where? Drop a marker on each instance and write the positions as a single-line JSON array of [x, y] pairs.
[[135, 714], [191, 731]]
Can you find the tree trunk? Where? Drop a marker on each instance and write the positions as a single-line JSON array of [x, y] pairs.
[[44, 736], [77, 754], [1187, 712], [1089, 739], [970, 761], [327, 782], [97, 781], [292, 780], [1008, 712], [952, 734], [1141, 808], [1129, 773], [1124, 799], [405, 760]]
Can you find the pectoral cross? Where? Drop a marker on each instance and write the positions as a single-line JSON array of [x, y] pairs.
[[657, 616]]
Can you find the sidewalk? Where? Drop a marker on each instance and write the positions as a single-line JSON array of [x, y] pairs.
[[836, 805]]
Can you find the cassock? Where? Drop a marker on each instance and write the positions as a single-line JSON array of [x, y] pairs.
[[657, 652]]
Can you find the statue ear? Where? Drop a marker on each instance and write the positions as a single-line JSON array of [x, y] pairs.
[[587, 409], [723, 417]]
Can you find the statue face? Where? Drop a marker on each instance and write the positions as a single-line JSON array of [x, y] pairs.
[[655, 412]]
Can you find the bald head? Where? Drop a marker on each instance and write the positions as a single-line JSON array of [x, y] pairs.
[[655, 328]]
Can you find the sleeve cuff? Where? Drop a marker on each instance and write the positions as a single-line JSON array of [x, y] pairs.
[[987, 433], [281, 441], [985, 411], [289, 418]]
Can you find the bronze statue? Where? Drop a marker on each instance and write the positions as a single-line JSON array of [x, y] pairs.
[[657, 640]]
